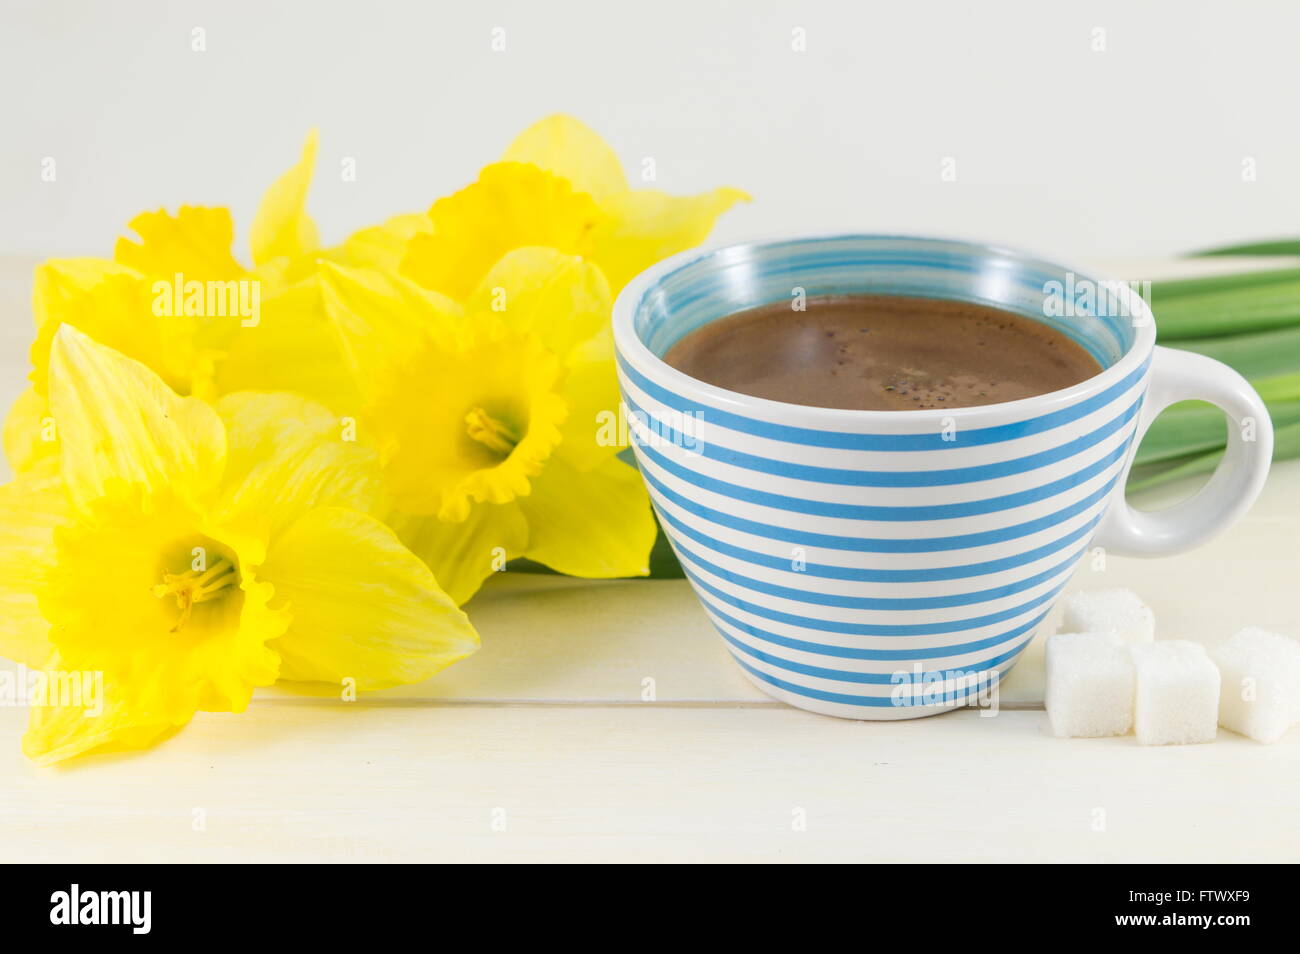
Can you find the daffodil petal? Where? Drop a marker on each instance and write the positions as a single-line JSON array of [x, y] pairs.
[[560, 298], [462, 555], [117, 420], [30, 509], [383, 246], [196, 242], [114, 305], [595, 430], [100, 723], [59, 283], [592, 431], [595, 524], [644, 226], [29, 432], [511, 205], [568, 148], [282, 228], [363, 606], [285, 455], [293, 347], [379, 318]]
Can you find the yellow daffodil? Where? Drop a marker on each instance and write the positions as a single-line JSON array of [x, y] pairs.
[[486, 417], [558, 185], [484, 362], [189, 553], [179, 301]]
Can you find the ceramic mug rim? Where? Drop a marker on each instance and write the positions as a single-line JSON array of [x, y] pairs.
[[628, 343]]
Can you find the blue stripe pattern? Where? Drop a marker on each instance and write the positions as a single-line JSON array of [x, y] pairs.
[[853, 440], [831, 550], [818, 508], [877, 545]]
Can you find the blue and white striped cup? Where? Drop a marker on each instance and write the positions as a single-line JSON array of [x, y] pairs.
[[894, 564]]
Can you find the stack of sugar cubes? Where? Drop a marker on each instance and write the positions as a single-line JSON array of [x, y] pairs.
[[1107, 674]]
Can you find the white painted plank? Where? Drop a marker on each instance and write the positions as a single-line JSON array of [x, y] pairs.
[[334, 782]]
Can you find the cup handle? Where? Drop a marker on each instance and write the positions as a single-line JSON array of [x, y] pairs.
[[1236, 482]]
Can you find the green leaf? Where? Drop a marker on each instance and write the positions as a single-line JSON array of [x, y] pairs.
[[1168, 288], [1258, 355], [1283, 387], [1153, 475], [1226, 311], [1286, 445], [1189, 428], [1275, 247], [1194, 427], [663, 562]]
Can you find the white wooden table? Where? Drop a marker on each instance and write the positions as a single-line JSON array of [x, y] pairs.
[[604, 721]]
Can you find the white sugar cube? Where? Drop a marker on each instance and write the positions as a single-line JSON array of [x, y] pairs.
[[1260, 692], [1090, 685], [1115, 610], [1177, 693]]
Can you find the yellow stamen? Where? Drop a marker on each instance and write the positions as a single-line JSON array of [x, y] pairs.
[[490, 432], [193, 587]]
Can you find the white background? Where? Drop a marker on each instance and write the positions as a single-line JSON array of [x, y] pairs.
[[1136, 150]]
